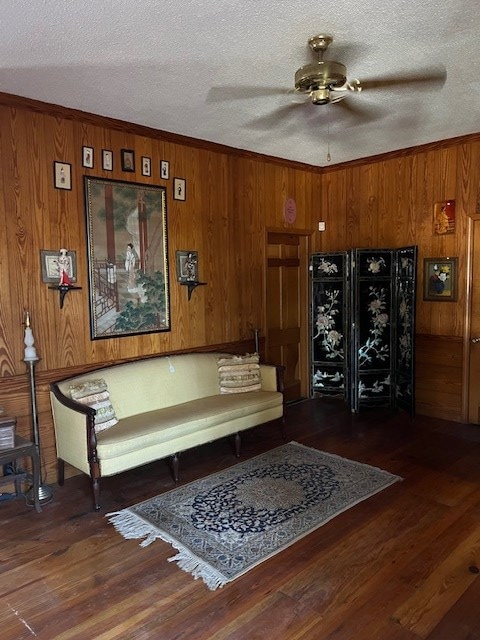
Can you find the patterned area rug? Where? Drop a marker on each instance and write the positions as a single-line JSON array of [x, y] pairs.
[[231, 521]]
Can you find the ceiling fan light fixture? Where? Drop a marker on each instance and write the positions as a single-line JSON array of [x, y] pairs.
[[320, 96]]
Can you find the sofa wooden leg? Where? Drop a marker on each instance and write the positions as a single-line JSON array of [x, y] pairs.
[[96, 493], [61, 472], [175, 467], [238, 442]]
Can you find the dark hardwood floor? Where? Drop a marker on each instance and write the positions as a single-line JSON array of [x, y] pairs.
[[401, 565]]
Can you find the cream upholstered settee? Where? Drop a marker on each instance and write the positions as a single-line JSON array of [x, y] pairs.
[[158, 407]]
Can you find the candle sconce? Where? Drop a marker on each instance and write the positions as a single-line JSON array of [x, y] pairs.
[[64, 289], [192, 285]]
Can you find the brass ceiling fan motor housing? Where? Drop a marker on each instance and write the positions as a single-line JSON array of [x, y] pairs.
[[319, 77]]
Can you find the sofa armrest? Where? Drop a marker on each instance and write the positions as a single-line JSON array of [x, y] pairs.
[[69, 402], [280, 371], [75, 431], [272, 377]]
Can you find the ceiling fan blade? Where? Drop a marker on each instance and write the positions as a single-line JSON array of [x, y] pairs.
[[430, 78], [273, 119], [361, 113], [222, 94]]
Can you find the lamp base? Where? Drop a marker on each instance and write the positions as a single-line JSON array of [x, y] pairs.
[[45, 495]]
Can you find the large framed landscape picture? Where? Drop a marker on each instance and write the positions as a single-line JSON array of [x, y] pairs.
[[127, 258]]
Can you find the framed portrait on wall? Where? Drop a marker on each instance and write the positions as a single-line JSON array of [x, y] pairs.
[[179, 189], [146, 166], [127, 158], [87, 157], [164, 169], [62, 175], [107, 160]]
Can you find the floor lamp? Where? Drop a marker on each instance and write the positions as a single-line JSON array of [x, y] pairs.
[[45, 493]]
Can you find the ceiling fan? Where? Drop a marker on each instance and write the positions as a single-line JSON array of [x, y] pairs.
[[325, 81]]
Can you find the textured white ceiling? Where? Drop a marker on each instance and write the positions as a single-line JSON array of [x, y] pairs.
[[162, 63]]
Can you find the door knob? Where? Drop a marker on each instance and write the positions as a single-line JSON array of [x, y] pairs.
[[476, 339]]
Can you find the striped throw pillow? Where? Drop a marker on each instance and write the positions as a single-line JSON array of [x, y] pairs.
[[239, 374], [95, 394]]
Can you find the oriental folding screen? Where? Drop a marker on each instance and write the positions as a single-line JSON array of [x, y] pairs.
[[363, 327]]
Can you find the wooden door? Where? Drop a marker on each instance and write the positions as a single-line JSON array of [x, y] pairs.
[[286, 335], [474, 355]]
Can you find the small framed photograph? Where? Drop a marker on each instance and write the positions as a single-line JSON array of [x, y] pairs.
[[87, 157], [128, 159], [187, 266], [51, 261], [440, 279], [164, 169], [107, 160], [62, 175], [179, 189], [146, 166]]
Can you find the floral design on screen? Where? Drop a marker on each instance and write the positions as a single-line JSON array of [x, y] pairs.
[[327, 267], [405, 319], [375, 265], [325, 322], [379, 320]]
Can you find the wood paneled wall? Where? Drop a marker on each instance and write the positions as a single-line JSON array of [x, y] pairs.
[[233, 197], [389, 202], [231, 200]]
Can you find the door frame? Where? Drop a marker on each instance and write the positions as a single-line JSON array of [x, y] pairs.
[[467, 344]]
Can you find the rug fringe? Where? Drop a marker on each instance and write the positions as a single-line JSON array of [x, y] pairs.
[[198, 569], [132, 527]]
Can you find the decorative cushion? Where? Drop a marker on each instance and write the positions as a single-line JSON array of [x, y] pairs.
[[239, 374], [87, 388], [95, 394]]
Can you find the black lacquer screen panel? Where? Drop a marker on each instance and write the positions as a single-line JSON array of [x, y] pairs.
[[362, 326]]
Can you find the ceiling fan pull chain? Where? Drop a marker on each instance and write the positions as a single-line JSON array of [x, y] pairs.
[[329, 157]]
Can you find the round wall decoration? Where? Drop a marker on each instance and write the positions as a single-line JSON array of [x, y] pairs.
[[290, 211]]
